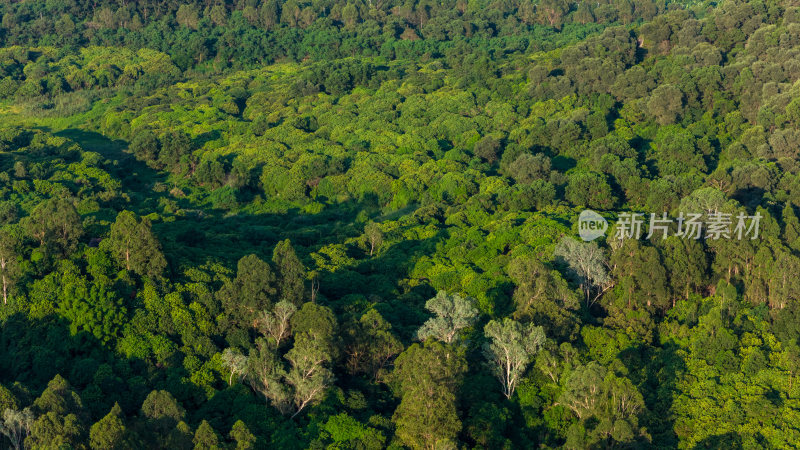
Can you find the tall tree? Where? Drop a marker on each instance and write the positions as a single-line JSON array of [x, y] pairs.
[[56, 223], [253, 290], [791, 227], [187, 16], [265, 375], [543, 296], [373, 235], [589, 189], [586, 264], [61, 417], [9, 266], [370, 345], [452, 314], [16, 426], [687, 265], [109, 432], [315, 346], [308, 375], [145, 146], [551, 12], [205, 438], [135, 246], [666, 104], [245, 440], [175, 146], [426, 378], [593, 393], [291, 273], [163, 416], [276, 324], [235, 362], [318, 323], [511, 348], [638, 287]]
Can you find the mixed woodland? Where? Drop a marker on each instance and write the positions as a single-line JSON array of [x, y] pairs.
[[320, 224]]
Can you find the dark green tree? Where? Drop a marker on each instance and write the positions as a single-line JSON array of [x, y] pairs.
[[589, 189], [135, 246], [543, 296], [55, 223], [370, 345], [791, 227], [250, 292], [174, 146], [245, 440], [427, 378], [61, 417], [145, 146], [9, 263], [205, 438], [291, 273], [109, 432], [162, 415]]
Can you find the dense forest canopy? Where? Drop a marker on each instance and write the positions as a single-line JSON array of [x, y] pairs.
[[354, 225]]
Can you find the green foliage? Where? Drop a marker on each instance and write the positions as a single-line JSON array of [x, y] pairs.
[[163, 415], [511, 348], [56, 225], [16, 426], [242, 436], [109, 432], [205, 438], [586, 265], [543, 296], [425, 378], [592, 392], [291, 273], [452, 313], [346, 432], [265, 374], [286, 185], [251, 291], [590, 190], [370, 345], [135, 247]]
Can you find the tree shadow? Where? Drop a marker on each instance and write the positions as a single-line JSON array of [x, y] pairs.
[[730, 440], [206, 137], [195, 232], [751, 197], [93, 141], [135, 175], [655, 372], [34, 351]]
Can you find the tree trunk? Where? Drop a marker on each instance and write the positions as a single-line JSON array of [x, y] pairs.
[[5, 282]]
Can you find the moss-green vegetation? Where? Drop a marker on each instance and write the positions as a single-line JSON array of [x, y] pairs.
[[267, 224]]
